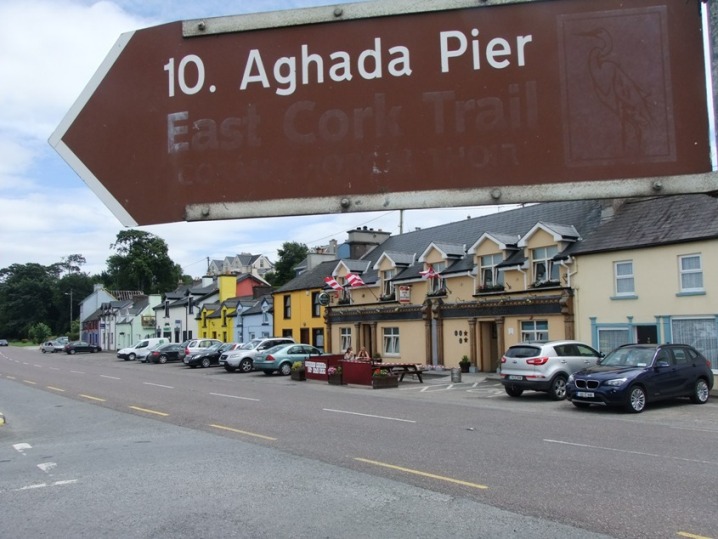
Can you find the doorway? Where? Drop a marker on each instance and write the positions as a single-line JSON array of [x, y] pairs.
[[647, 334]]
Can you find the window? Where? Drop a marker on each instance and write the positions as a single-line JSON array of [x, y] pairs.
[[287, 307], [611, 338], [623, 273], [534, 330], [691, 273], [345, 335], [387, 285], [316, 306], [544, 270], [391, 341], [437, 285], [701, 333], [490, 277]]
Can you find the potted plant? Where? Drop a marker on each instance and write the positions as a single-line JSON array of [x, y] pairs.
[[334, 376], [465, 364], [383, 378], [299, 373]]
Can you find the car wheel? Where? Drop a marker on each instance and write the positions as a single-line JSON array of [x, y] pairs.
[[636, 400], [72, 351], [44, 351], [285, 369], [132, 357], [557, 391], [206, 363], [245, 365], [581, 404], [700, 392], [163, 359], [229, 368], [513, 391]]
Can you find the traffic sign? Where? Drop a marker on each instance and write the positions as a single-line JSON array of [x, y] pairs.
[[401, 104]]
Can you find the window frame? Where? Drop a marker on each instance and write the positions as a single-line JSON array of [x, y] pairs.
[[535, 333], [287, 306], [497, 277], [345, 337], [618, 278], [683, 273], [544, 255], [391, 341]]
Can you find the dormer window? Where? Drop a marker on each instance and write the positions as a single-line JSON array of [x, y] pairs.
[[387, 284], [543, 266], [436, 285], [490, 278]]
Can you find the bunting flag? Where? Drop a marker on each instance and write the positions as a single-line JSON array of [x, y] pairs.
[[354, 280], [333, 283], [429, 273]]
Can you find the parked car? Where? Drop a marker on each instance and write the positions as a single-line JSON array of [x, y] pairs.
[[280, 358], [198, 345], [544, 366], [633, 375], [3, 342], [243, 357], [165, 353], [141, 348], [209, 356], [51, 347], [75, 347]]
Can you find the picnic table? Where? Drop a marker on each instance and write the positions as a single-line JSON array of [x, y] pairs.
[[360, 372]]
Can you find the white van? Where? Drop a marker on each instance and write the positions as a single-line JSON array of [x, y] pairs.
[[140, 349]]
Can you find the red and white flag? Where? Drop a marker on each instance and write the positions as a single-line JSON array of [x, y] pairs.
[[354, 280], [429, 273], [333, 283]]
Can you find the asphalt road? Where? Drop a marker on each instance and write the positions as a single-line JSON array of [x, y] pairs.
[[424, 460]]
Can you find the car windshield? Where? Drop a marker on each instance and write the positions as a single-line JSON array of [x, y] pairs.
[[216, 346], [275, 349], [629, 357], [249, 345], [227, 346], [523, 351]]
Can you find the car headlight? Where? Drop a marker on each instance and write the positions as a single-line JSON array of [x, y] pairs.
[[571, 378], [616, 382]]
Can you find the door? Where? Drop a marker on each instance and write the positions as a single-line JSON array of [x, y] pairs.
[[647, 334]]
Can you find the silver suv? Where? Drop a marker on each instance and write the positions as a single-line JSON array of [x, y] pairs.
[[544, 366], [243, 357]]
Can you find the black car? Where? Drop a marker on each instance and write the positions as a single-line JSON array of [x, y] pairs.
[[208, 356], [166, 352], [75, 347], [635, 374]]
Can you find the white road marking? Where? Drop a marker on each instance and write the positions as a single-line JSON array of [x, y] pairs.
[[77, 372], [630, 452], [110, 377], [157, 385], [234, 397], [369, 415], [47, 466], [20, 448], [44, 485]]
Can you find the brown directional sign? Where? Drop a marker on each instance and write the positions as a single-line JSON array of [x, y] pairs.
[[382, 105]]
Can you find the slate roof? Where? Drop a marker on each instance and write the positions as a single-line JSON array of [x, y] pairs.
[[313, 278], [582, 215], [649, 222]]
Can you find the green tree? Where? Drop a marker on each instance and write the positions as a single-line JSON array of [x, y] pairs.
[[141, 263], [27, 293], [291, 254], [39, 332]]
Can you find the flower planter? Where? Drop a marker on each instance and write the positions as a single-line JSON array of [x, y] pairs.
[[299, 376], [335, 379], [464, 367], [383, 382]]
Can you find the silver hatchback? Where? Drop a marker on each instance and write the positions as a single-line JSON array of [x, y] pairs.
[[544, 366]]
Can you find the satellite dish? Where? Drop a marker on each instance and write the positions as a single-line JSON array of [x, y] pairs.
[[324, 299]]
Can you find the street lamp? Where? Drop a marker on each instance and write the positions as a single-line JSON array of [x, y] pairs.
[[70, 330]]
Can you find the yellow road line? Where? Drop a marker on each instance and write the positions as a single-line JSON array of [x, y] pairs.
[[692, 536], [423, 474], [149, 411], [92, 398], [56, 389], [30, 382], [243, 432]]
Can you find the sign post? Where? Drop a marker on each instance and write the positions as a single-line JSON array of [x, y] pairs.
[[395, 105]]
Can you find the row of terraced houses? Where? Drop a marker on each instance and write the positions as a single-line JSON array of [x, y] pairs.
[[605, 272]]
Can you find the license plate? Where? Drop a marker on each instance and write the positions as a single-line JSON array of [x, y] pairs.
[[515, 377], [585, 394]]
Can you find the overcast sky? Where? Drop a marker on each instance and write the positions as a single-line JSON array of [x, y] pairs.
[[49, 50]]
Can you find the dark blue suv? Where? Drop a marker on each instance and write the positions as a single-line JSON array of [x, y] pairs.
[[635, 374]]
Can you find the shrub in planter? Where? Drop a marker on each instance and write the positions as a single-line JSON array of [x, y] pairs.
[[383, 378]]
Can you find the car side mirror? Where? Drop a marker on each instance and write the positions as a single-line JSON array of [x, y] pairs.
[[662, 364]]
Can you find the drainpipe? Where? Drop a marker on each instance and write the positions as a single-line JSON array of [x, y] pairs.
[[569, 273], [521, 270]]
